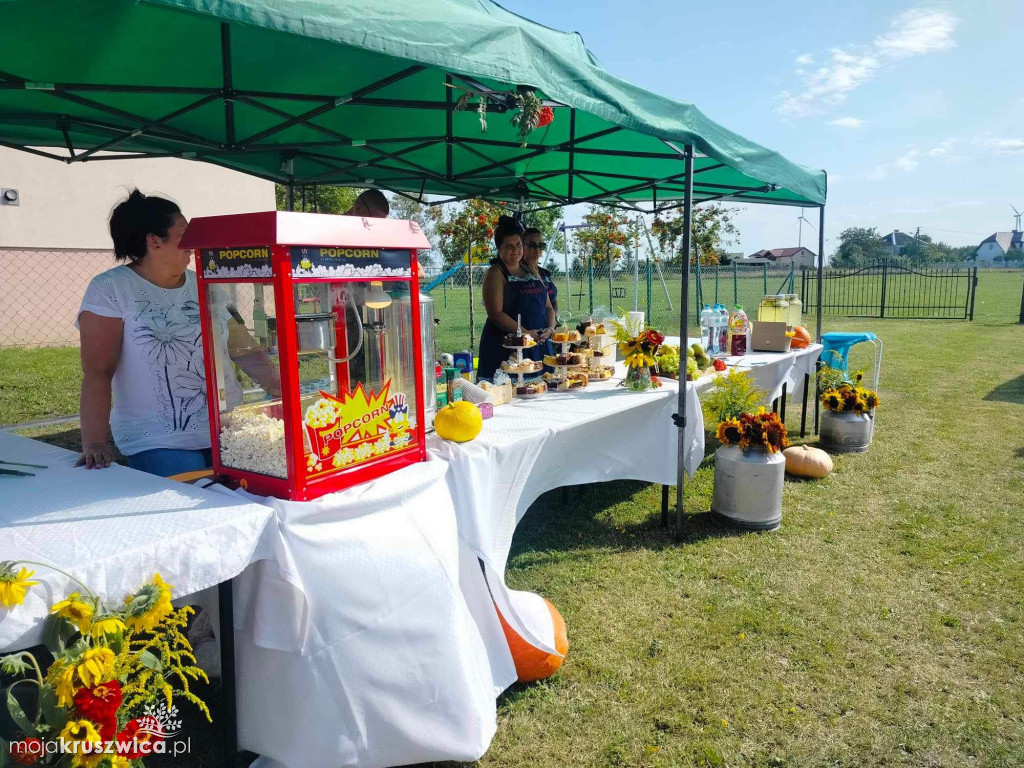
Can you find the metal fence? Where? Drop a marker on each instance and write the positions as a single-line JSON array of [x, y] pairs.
[[894, 290], [41, 291], [589, 288]]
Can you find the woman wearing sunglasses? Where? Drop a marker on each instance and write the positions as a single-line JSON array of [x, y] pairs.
[[534, 248], [512, 292]]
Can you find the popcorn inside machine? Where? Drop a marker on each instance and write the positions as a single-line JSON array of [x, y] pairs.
[[314, 372]]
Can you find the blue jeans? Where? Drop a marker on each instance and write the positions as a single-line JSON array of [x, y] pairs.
[[170, 461]]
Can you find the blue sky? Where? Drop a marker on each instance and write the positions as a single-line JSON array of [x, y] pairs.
[[915, 111]]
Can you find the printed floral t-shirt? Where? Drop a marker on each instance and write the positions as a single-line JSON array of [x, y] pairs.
[[159, 388]]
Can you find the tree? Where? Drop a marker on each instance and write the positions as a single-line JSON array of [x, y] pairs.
[[919, 251], [458, 228], [318, 198], [607, 235], [546, 218], [405, 208], [472, 224], [859, 246], [713, 230]]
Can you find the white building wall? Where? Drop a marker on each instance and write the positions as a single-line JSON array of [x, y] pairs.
[[67, 206], [989, 251]]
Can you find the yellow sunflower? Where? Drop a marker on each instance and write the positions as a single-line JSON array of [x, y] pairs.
[[108, 624], [64, 683], [831, 400], [96, 667], [872, 400], [75, 610], [639, 359], [78, 733], [13, 585], [149, 606], [774, 436], [729, 432]]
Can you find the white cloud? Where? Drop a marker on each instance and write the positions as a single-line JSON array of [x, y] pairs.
[[829, 84], [1006, 146], [916, 32], [848, 122], [908, 162], [911, 159], [913, 33], [943, 150]]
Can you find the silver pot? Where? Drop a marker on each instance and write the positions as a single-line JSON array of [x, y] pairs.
[[846, 432], [748, 487], [316, 332]]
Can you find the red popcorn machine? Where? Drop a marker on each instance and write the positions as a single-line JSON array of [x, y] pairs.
[[313, 348]]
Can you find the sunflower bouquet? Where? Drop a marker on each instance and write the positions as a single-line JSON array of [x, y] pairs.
[[842, 395], [639, 352], [107, 698], [754, 430]]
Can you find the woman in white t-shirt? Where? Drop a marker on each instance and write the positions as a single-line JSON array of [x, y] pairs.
[[142, 346]]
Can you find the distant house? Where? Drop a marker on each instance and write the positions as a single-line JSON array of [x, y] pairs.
[[800, 258], [896, 241], [998, 244]]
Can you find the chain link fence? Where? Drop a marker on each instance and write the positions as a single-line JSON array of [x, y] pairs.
[[588, 288], [41, 292]]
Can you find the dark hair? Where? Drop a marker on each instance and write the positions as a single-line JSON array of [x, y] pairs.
[[375, 200], [134, 219], [532, 231], [507, 225]]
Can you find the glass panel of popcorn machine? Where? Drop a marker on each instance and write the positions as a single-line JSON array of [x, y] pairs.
[[243, 325], [359, 397]]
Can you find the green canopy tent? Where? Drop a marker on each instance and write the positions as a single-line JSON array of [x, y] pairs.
[[368, 94]]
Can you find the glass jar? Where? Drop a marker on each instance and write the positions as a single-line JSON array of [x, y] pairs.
[[773, 309], [638, 379]]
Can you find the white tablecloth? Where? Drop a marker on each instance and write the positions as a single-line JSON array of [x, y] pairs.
[[390, 666], [112, 528], [770, 370], [533, 445]]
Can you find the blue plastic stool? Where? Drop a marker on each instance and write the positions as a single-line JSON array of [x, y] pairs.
[[835, 351]]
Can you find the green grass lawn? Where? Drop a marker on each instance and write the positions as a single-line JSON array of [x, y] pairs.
[[880, 626]]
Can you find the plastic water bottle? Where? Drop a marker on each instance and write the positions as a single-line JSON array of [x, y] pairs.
[[739, 329], [722, 328], [707, 323]]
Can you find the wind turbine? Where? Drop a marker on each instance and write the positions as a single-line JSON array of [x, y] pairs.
[[1016, 226], [800, 222]]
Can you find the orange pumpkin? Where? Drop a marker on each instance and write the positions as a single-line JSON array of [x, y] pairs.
[[534, 663], [805, 461], [801, 338]]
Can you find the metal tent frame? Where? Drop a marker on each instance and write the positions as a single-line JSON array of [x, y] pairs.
[[92, 130]]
